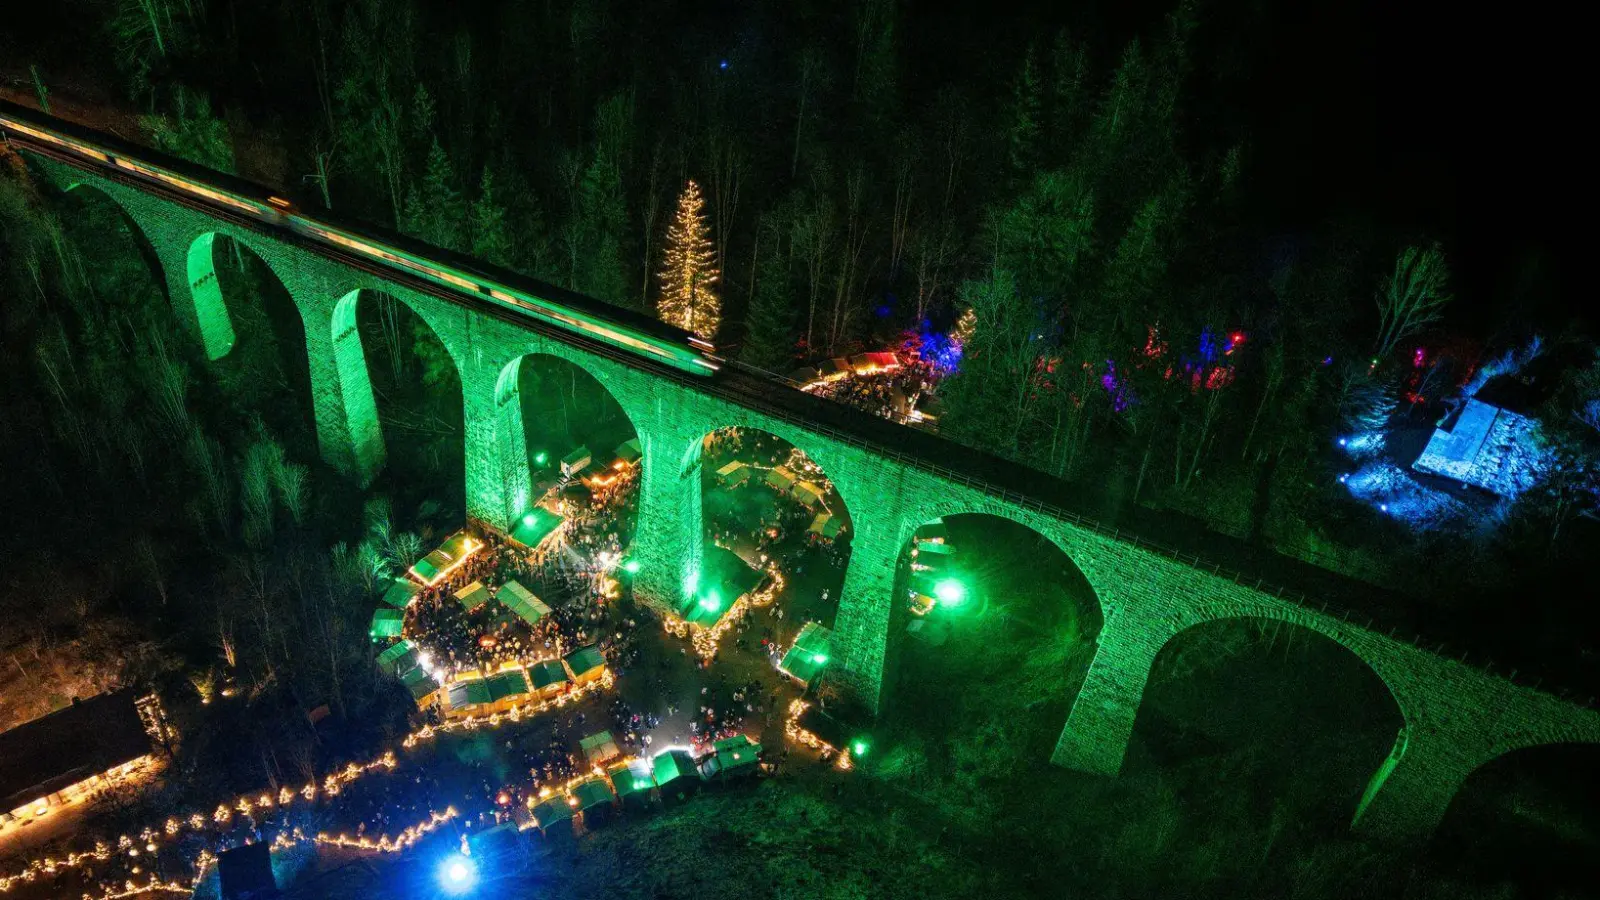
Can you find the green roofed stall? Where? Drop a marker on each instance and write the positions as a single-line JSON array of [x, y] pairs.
[[401, 592], [419, 683], [507, 684], [534, 526], [387, 623], [584, 664], [809, 653], [732, 757], [473, 596], [599, 747], [592, 793], [552, 813], [724, 578], [675, 773], [633, 782], [451, 554], [547, 675], [400, 657], [522, 602], [467, 694], [629, 451]]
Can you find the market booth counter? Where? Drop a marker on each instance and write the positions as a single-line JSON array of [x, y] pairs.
[[585, 665], [731, 759], [549, 678], [634, 782]]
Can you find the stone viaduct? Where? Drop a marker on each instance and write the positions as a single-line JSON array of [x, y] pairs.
[[1456, 717]]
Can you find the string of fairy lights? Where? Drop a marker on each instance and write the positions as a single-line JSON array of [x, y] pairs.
[[332, 785], [706, 640]]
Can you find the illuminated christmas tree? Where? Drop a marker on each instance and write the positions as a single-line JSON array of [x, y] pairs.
[[689, 272]]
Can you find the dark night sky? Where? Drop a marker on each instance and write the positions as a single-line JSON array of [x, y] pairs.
[[1434, 119]]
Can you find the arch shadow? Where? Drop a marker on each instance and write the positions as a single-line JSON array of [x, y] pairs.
[[383, 347], [1262, 726], [1530, 817], [97, 201]]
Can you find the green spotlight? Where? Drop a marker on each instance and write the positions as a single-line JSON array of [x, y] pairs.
[[859, 747], [711, 602], [819, 658], [950, 592], [529, 519], [631, 567], [541, 458]]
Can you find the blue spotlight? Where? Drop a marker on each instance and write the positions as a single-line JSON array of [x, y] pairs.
[[458, 874]]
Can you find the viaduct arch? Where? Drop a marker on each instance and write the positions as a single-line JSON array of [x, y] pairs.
[[1457, 717]]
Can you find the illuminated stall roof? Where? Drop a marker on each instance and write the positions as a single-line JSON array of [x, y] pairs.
[[534, 526], [398, 658], [69, 745], [584, 663], [576, 461], [935, 532], [737, 755], [592, 793], [724, 578], [826, 525], [456, 549], [629, 451], [780, 478], [672, 766], [419, 683], [633, 780], [599, 747], [469, 693], [401, 592], [808, 656], [734, 473], [808, 493], [473, 596], [528, 607], [387, 623], [546, 674], [552, 812], [507, 684]]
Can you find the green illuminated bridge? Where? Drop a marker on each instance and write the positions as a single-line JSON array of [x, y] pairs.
[[1456, 717]]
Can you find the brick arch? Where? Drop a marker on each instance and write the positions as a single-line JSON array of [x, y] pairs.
[[136, 230], [206, 298], [1072, 550], [511, 428], [816, 450], [359, 405]]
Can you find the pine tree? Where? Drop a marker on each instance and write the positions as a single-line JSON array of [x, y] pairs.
[[769, 341], [491, 239], [433, 211], [689, 270]]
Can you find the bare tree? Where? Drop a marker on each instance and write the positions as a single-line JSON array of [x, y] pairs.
[[1413, 297]]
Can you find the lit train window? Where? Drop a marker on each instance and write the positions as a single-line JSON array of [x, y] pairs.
[[58, 141], [280, 203], [187, 186]]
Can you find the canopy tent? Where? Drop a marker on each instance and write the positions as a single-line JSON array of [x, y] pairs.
[[734, 473], [585, 664], [598, 475], [473, 596], [592, 793], [552, 813], [780, 478], [826, 525], [808, 655], [724, 578], [548, 677], [534, 526], [633, 782], [401, 592], [599, 747], [881, 361], [935, 532], [507, 685], [575, 461], [398, 658], [731, 757], [629, 452], [522, 601], [422, 686], [387, 623], [675, 773], [451, 554], [808, 493]]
